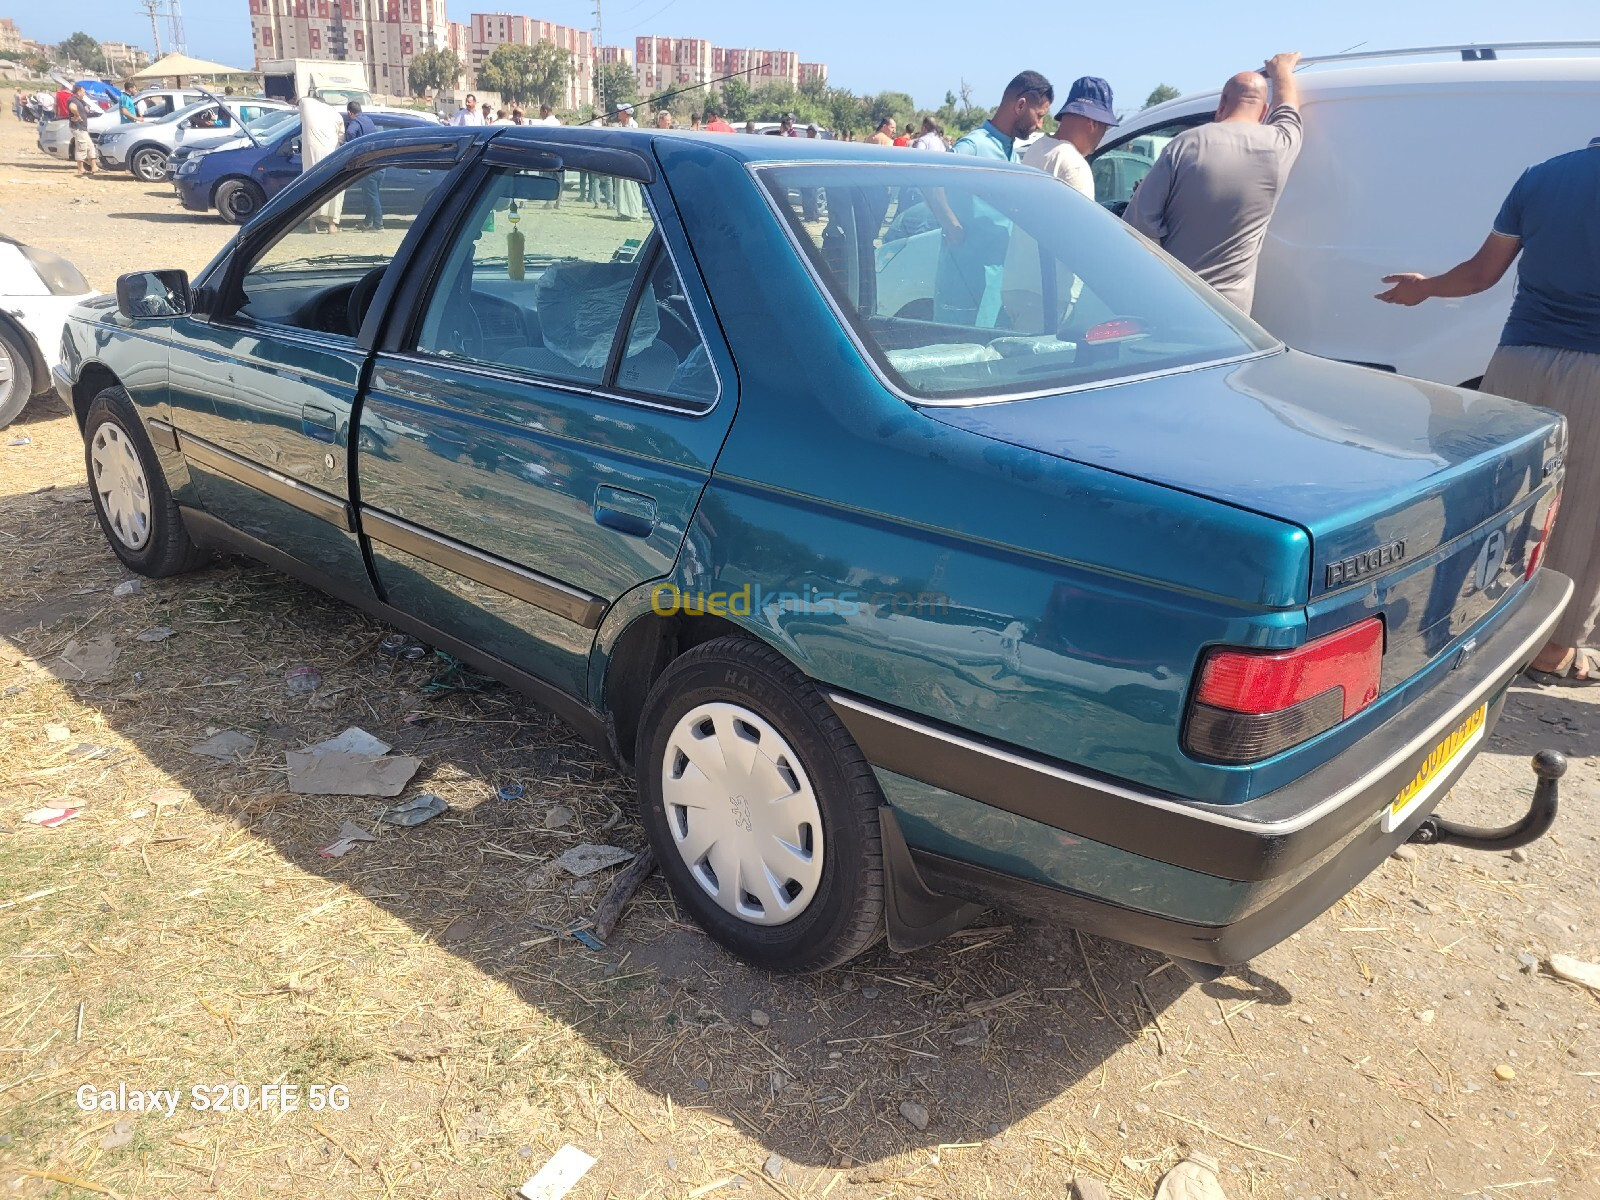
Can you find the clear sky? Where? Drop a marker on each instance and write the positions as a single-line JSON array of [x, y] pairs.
[[926, 48]]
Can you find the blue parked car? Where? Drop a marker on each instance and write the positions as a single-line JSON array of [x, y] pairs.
[[1037, 575], [237, 181]]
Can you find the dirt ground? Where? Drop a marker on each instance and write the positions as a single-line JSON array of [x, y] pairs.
[[184, 931]]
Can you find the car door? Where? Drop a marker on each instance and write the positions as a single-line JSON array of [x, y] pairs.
[[265, 384], [1121, 165], [535, 440]]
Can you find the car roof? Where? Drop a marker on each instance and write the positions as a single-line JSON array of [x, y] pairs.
[[1330, 80], [754, 149]]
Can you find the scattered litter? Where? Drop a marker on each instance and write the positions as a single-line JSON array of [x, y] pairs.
[[128, 587], [509, 791], [1195, 1177], [974, 1034], [138, 814], [91, 662], [623, 885], [559, 817], [588, 939], [50, 817], [455, 677], [167, 798], [57, 733], [587, 859], [402, 646], [414, 811], [20, 441], [774, 1167], [318, 772], [349, 835], [914, 1113], [415, 717], [354, 740], [558, 1176], [228, 745], [302, 679], [119, 1135], [156, 633], [1575, 970], [1504, 1073]]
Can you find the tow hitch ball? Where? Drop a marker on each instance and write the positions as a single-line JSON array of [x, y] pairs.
[[1549, 766]]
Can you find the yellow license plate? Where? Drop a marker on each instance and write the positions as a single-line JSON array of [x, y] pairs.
[[1433, 769]]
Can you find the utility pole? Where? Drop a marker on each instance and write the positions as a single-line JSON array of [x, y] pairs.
[[599, 34], [151, 8], [175, 18]]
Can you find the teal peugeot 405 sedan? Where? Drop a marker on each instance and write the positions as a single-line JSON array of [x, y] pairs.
[[917, 536]]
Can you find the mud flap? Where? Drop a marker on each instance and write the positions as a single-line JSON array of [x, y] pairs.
[[914, 914]]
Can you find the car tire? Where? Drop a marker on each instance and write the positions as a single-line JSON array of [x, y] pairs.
[[238, 200], [16, 377], [812, 853], [137, 511], [149, 164]]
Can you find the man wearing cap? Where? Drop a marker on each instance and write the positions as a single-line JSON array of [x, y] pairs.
[[1081, 122], [1211, 193]]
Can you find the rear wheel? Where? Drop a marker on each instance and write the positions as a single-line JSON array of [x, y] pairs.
[[137, 513], [16, 377], [149, 163], [239, 199], [761, 809]]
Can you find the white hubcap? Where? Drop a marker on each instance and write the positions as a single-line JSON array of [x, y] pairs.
[[120, 484], [742, 814]]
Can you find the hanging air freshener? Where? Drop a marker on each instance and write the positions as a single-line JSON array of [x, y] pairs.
[[515, 243]]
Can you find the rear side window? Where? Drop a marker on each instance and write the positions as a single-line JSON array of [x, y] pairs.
[[559, 276], [971, 283]]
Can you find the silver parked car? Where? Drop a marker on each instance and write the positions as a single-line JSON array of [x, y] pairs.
[[153, 104], [145, 147]]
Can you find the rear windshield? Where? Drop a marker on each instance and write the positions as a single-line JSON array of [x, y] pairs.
[[971, 283]]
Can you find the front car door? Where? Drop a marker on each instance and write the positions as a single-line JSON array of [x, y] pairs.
[[536, 439], [1121, 165], [265, 380]]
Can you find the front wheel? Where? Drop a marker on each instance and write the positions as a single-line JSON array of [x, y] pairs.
[[16, 377], [761, 809], [149, 164], [137, 512], [238, 200]]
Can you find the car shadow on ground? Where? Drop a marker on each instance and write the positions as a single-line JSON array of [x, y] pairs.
[[173, 218], [983, 1030]]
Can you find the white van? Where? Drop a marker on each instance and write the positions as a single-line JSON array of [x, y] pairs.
[[1405, 165]]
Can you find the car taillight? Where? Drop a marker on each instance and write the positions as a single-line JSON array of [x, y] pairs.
[[1118, 329], [1536, 555], [1252, 704]]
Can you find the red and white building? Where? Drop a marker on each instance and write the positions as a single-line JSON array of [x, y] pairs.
[[383, 34], [813, 73], [758, 68], [663, 63], [486, 31]]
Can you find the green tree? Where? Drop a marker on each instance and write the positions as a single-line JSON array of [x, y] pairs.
[[847, 112], [614, 86], [737, 100], [83, 50], [535, 74], [891, 104], [433, 70], [1160, 95]]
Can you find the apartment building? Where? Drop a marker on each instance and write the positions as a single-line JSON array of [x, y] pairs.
[[383, 34], [758, 68], [662, 63], [489, 30], [813, 73]]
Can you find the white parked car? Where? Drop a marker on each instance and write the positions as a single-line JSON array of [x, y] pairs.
[[1405, 165], [37, 289], [145, 147], [153, 104]]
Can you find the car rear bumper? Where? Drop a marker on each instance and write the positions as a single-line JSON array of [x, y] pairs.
[[1212, 883]]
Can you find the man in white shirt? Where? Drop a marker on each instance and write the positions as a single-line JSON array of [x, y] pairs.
[[1082, 123], [929, 137], [546, 116], [468, 113], [625, 118]]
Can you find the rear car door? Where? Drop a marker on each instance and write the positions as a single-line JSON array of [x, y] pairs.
[[264, 386], [536, 439]]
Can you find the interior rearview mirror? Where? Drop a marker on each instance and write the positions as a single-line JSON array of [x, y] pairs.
[[142, 295]]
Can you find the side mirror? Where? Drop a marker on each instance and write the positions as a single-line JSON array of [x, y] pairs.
[[142, 295], [291, 149]]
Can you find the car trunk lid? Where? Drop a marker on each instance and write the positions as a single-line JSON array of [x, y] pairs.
[[1419, 498]]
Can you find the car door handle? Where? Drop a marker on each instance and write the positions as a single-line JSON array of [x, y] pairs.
[[626, 512], [319, 423]]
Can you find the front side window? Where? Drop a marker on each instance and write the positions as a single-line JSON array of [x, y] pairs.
[[321, 273], [541, 276], [1121, 167], [967, 283]]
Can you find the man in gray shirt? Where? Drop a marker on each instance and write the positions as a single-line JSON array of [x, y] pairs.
[[1211, 193]]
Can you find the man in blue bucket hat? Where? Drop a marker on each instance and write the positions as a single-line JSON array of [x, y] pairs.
[[1081, 122]]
